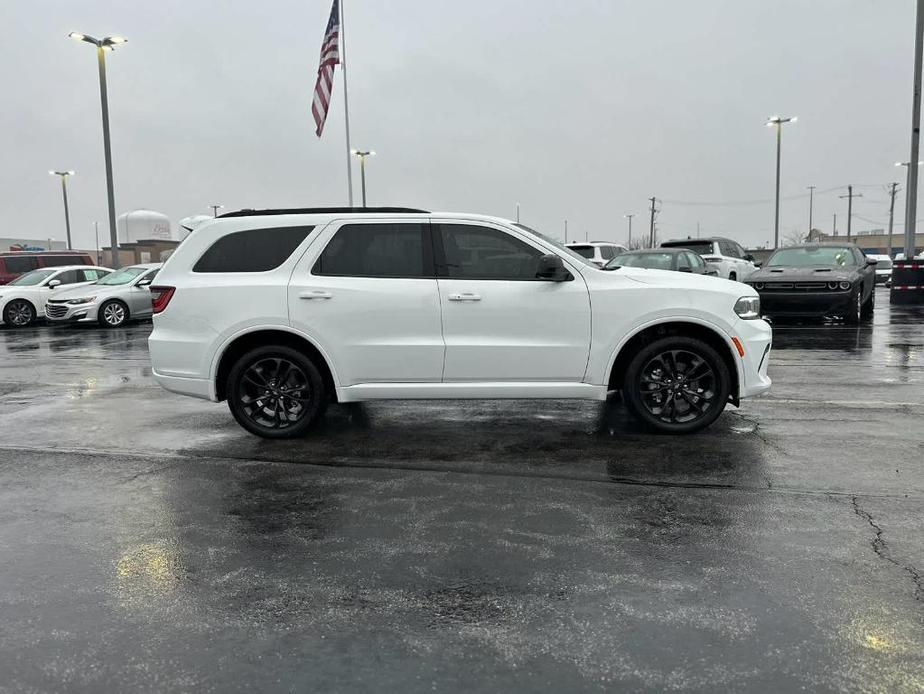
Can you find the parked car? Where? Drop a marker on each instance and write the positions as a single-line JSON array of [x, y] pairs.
[[598, 252], [16, 263], [725, 255], [111, 302], [282, 312], [22, 301], [677, 259], [817, 280], [883, 268]]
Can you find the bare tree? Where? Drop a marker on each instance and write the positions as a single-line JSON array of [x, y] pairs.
[[794, 237]]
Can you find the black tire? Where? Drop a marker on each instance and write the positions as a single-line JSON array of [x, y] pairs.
[[869, 307], [19, 313], [855, 312], [662, 370], [113, 314], [280, 378]]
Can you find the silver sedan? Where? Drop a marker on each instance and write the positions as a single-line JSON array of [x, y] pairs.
[[111, 302]]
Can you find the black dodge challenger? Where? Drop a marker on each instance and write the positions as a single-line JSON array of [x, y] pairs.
[[817, 280]]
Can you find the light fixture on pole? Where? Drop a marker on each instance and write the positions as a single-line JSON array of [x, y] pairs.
[[362, 167], [629, 217], [102, 45], [215, 209], [778, 122], [67, 215]]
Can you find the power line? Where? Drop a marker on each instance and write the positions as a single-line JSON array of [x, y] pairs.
[[743, 203]]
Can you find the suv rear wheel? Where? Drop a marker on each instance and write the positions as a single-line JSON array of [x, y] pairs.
[[276, 392], [677, 385]]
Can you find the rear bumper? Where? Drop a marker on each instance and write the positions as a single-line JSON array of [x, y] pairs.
[[806, 304], [194, 387]]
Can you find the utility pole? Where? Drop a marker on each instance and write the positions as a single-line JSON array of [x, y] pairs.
[[891, 215], [629, 217], [697, 230], [911, 190], [651, 232], [518, 213], [566, 231], [215, 209], [834, 228], [850, 196], [99, 259], [811, 190]]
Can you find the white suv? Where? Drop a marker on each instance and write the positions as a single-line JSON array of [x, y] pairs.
[[280, 312], [724, 255], [598, 252]]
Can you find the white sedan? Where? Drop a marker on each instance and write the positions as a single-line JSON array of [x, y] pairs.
[[22, 301]]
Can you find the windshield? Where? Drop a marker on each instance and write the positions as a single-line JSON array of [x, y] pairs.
[[123, 276], [557, 244], [827, 256], [701, 247], [30, 279], [653, 261]]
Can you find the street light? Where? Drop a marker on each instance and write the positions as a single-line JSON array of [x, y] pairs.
[[778, 122], [67, 215], [362, 167], [215, 209], [629, 217], [102, 45]]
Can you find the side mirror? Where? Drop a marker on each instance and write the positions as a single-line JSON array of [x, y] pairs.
[[872, 261], [684, 269], [758, 264], [551, 268], [54, 283], [146, 282], [749, 258]]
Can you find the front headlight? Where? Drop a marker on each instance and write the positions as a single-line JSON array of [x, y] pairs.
[[748, 307], [82, 300]]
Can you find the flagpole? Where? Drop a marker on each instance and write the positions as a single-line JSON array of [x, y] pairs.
[[346, 106]]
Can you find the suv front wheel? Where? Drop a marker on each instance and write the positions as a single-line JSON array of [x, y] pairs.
[[276, 392], [677, 385]]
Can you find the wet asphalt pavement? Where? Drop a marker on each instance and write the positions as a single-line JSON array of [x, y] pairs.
[[149, 544]]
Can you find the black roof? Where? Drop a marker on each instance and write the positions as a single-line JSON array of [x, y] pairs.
[[821, 244], [705, 238], [324, 210]]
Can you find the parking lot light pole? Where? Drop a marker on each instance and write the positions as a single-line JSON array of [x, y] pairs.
[[629, 217], [102, 45], [778, 122], [67, 215], [362, 167]]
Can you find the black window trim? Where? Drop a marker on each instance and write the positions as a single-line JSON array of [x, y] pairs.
[[427, 247], [440, 254]]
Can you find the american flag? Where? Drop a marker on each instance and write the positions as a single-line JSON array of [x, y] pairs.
[[330, 56]]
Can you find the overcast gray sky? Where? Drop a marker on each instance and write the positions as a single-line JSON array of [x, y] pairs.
[[577, 110]]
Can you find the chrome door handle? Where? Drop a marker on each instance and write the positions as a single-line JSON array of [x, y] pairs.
[[465, 296], [316, 294]]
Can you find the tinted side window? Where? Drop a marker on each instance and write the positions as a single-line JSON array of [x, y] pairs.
[[58, 260], [15, 264], [607, 252], [70, 277], [253, 250], [375, 250], [474, 252]]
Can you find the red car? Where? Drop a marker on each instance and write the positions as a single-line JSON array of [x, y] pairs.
[[15, 263]]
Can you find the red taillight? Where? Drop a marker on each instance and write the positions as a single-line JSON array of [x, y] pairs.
[[160, 297]]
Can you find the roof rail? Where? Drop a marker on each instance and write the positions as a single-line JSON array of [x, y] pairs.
[[323, 210]]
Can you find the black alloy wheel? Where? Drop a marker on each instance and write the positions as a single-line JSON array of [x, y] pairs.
[[276, 392], [855, 311], [113, 314], [19, 313], [677, 385]]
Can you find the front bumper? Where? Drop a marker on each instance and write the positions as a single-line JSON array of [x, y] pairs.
[[66, 313], [756, 338], [806, 304], [883, 276]]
